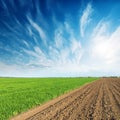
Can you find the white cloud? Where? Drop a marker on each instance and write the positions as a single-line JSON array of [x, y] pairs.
[[9, 70], [31, 53], [85, 18], [75, 45], [40, 59], [39, 29], [71, 53], [76, 49], [68, 28], [24, 71], [58, 37], [26, 43], [104, 49], [29, 30], [101, 57], [39, 51]]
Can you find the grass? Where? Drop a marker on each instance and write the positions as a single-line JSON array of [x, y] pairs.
[[20, 94]]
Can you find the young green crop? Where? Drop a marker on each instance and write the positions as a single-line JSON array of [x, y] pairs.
[[20, 94]]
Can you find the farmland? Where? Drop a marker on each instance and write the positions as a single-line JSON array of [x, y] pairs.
[[99, 100], [21, 94]]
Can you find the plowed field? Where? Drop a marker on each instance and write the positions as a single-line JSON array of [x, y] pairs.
[[99, 100]]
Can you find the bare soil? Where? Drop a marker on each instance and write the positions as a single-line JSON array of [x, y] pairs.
[[99, 100]]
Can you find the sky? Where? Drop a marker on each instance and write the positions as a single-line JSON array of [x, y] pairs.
[[59, 38]]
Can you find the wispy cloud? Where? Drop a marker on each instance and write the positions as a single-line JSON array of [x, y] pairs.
[[26, 43], [39, 29], [85, 18], [10, 70], [58, 37], [68, 50], [103, 49]]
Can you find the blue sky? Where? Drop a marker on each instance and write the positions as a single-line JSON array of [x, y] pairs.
[[47, 38]]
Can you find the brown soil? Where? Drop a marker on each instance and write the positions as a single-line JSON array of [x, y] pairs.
[[99, 100]]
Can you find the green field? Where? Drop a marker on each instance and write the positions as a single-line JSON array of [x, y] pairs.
[[20, 94]]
